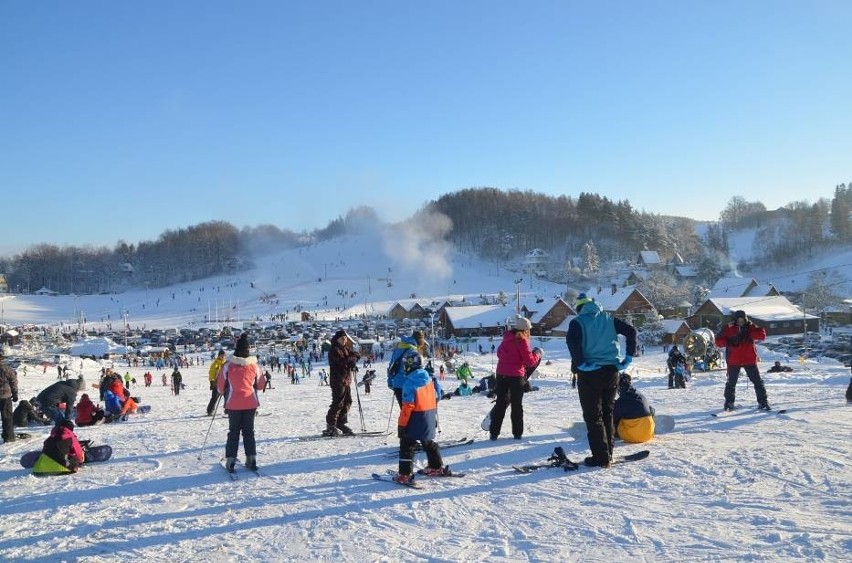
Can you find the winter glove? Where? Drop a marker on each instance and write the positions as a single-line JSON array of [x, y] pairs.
[[15, 398], [625, 363]]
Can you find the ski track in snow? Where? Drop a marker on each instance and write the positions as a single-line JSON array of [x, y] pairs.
[[752, 486]]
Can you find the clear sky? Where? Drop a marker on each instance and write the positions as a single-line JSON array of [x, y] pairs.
[[119, 120]]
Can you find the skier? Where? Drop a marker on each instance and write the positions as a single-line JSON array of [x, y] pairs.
[[418, 420], [215, 366], [240, 380], [342, 360], [513, 357], [632, 416], [8, 396], [464, 373], [592, 340], [405, 351], [177, 381], [738, 338], [676, 363]]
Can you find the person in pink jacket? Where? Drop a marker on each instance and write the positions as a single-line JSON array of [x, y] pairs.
[[239, 380], [513, 357]]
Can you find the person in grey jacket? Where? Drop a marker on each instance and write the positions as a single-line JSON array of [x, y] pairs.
[[58, 393], [8, 395]]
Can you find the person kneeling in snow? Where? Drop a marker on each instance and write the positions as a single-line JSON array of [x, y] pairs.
[[117, 407], [633, 417], [62, 452]]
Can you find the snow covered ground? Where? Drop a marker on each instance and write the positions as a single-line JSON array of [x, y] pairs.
[[751, 486]]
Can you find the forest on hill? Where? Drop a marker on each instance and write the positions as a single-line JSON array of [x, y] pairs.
[[487, 222]]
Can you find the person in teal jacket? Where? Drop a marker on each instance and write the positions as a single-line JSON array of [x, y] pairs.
[[592, 340], [406, 352]]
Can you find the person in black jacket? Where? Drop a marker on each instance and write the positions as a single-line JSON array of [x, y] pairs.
[[676, 362], [632, 415], [26, 413], [342, 360], [8, 396], [57, 394]]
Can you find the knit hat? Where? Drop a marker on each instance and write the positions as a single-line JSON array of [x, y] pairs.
[[521, 323], [740, 315], [242, 349], [221, 352], [582, 299], [340, 333]]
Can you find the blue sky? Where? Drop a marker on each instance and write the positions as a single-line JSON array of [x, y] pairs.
[[120, 120]]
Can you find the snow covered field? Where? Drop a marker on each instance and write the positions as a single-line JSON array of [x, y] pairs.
[[751, 486]]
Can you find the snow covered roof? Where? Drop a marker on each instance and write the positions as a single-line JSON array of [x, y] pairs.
[[771, 308], [733, 286], [686, 271], [476, 315], [649, 257], [612, 301], [671, 326]]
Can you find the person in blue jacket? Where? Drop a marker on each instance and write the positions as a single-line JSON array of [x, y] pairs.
[[418, 421], [406, 352], [592, 340]]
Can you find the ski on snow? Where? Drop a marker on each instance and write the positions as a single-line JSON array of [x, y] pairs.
[[442, 445], [355, 435]]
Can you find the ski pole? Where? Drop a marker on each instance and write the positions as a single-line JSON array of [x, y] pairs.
[[215, 410], [360, 410], [390, 412]]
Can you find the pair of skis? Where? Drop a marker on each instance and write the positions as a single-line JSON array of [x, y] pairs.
[[568, 465], [413, 483]]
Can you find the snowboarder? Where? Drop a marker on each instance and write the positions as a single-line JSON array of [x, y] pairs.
[[62, 452], [239, 380], [738, 338], [513, 357], [778, 368], [632, 416], [592, 340], [88, 413], [25, 413], [464, 373]]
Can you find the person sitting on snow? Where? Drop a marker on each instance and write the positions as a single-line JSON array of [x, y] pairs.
[[117, 407], [88, 413], [62, 452], [25, 413], [632, 416], [778, 368]]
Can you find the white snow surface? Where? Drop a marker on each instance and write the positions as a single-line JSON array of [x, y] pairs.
[[748, 487], [752, 486]]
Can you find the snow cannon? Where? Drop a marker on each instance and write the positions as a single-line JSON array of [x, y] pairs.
[[699, 342]]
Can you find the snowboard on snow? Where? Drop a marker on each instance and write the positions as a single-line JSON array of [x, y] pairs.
[[94, 454], [528, 371], [663, 424], [568, 465]]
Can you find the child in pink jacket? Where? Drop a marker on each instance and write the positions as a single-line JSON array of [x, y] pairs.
[[239, 380]]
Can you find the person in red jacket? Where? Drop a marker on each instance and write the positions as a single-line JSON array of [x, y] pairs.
[[738, 338], [239, 381], [513, 356], [87, 412]]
